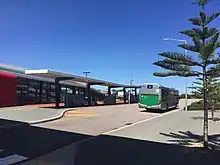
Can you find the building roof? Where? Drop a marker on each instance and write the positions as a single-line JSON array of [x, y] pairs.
[[10, 68], [46, 73]]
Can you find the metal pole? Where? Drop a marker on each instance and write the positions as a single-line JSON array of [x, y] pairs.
[[186, 97], [86, 73], [129, 96], [186, 94]]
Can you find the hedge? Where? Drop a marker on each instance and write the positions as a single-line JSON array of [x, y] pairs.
[[199, 106]]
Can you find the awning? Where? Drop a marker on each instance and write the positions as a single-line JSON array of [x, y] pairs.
[[132, 86], [46, 73]]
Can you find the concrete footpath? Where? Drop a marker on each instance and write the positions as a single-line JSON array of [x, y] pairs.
[[31, 115]]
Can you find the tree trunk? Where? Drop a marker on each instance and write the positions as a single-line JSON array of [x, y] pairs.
[[205, 99], [211, 101], [213, 109]]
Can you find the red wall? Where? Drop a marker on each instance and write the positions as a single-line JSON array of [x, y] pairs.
[[8, 85]]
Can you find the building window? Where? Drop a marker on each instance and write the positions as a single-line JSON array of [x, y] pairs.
[[28, 91], [51, 93], [81, 91], [69, 89], [63, 91], [76, 90], [34, 91], [22, 90]]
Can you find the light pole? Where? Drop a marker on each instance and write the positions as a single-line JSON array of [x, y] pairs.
[[186, 52], [129, 96], [86, 73]]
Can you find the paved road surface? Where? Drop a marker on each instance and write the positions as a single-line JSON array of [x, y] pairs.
[[35, 141], [175, 128], [148, 142], [96, 120], [30, 114]]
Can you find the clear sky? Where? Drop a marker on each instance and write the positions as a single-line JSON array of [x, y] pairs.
[[116, 40]]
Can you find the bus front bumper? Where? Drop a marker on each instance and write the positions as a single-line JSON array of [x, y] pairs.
[[149, 107]]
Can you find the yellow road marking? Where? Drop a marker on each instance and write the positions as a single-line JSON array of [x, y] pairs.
[[75, 111], [71, 116], [80, 115]]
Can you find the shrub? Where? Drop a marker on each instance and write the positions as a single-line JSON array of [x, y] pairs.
[[200, 106]]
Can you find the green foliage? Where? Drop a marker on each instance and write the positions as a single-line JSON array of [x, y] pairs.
[[199, 106], [206, 65], [213, 89], [182, 96], [205, 41]]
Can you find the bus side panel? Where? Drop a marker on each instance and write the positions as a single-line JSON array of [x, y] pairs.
[[170, 98], [8, 85]]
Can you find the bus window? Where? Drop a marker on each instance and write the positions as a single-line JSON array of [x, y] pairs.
[[165, 93]]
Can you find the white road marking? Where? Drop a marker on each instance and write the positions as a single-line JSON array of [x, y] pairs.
[[12, 159], [93, 137], [120, 128], [139, 122]]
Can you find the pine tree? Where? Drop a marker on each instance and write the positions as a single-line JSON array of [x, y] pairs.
[[205, 41], [213, 88]]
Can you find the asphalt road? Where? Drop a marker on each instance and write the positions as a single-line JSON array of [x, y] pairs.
[[156, 141], [83, 124], [97, 120], [32, 141]]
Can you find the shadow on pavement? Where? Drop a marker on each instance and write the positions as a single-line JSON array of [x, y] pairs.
[[112, 150], [9, 123], [201, 118], [188, 138], [32, 142], [158, 110]]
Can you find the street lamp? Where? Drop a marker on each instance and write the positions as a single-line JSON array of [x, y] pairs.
[[129, 96], [186, 52], [86, 73]]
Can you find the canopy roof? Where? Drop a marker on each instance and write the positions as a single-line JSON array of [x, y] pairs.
[[46, 73]]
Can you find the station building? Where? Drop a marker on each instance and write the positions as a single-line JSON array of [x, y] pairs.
[[19, 86]]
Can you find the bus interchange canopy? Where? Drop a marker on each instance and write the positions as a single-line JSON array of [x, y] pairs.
[[59, 76]]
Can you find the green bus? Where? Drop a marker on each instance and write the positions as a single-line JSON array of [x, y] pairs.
[[156, 96]]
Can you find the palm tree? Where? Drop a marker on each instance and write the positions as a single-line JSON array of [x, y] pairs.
[[205, 41]]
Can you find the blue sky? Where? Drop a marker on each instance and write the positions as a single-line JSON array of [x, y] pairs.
[[115, 40]]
